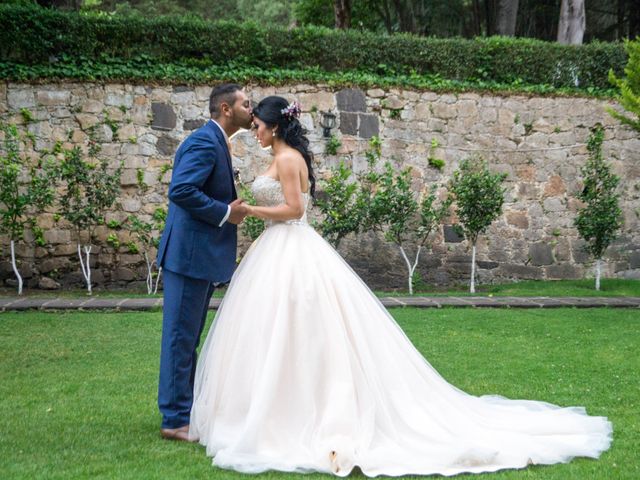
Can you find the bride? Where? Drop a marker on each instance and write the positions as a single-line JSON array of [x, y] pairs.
[[304, 370]]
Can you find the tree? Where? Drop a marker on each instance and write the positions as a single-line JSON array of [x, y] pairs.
[[342, 9], [629, 86], [572, 22], [146, 233], [90, 188], [339, 205], [402, 217], [478, 196], [26, 189], [379, 201], [600, 219], [506, 17]]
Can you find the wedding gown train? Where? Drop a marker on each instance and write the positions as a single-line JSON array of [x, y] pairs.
[[304, 370]]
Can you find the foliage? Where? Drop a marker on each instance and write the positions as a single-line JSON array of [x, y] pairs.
[[252, 227], [629, 87], [332, 146], [26, 188], [339, 205], [35, 43], [91, 188], [600, 219], [478, 195]]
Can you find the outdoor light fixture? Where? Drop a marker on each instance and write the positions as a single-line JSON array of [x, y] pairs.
[[327, 123]]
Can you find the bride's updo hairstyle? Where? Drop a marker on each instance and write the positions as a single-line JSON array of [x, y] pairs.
[[276, 111]]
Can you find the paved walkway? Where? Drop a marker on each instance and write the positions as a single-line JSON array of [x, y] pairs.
[[97, 303]]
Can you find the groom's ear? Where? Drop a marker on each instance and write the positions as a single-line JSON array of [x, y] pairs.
[[225, 108]]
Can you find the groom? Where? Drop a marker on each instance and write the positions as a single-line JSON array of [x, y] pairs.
[[198, 248]]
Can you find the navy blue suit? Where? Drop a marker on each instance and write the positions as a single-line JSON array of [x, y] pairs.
[[195, 253]]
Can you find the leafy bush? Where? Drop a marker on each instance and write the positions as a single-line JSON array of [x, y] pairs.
[[34, 36]]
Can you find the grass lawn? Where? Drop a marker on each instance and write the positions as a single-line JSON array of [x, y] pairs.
[[610, 287], [78, 390]]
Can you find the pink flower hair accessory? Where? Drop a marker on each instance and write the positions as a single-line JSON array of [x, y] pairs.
[[292, 110]]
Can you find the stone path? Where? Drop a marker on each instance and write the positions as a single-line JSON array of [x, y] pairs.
[[143, 303]]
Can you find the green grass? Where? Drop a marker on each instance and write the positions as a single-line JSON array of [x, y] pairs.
[[78, 390], [610, 287]]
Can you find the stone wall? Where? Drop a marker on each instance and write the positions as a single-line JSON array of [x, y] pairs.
[[538, 141]]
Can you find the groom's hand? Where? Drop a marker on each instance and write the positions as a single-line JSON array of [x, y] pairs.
[[239, 210]]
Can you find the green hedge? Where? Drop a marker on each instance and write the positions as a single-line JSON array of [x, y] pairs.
[[32, 36]]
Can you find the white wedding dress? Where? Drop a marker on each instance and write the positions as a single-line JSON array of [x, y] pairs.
[[304, 370]]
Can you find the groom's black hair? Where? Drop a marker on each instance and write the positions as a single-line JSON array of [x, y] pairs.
[[222, 93]]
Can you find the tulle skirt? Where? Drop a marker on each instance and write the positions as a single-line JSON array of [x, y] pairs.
[[304, 370]]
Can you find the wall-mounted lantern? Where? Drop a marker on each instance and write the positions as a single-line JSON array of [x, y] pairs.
[[327, 122]]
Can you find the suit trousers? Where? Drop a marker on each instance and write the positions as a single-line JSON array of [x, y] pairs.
[[184, 313]]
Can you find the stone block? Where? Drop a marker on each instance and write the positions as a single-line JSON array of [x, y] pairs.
[[634, 259], [47, 283], [131, 204], [53, 97], [563, 271], [518, 219], [540, 254], [119, 99], [487, 265], [50, 264], [164, 118], [450, 235], [521, 272], [351, 100], [322, 101], [167, 145], [348, 123], [554, 204], [54, 237], [369, 125], [123, 274], [554, 187], [65, 249], [86, 121], [193, 124], [19, 98]]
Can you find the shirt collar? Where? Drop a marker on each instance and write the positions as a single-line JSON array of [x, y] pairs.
[[226, 138]]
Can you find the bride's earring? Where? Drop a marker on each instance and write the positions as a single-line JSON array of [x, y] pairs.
[[273, 133]]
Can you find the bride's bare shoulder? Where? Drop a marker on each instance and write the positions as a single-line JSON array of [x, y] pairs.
[[289, 158]]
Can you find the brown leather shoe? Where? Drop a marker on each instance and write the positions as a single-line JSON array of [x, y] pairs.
[[180, 434]]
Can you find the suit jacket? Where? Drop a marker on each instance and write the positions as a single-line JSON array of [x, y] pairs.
[[202, 186]]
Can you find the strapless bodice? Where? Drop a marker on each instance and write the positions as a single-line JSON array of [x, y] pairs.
[[268, 193]]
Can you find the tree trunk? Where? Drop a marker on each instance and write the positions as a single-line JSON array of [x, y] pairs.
[[572, 22], [472, 287], [634, 19], [476, 17], [489, 9], [620, 23], [507, 15], [155, 290], [410, 268], [406, 17], [598, 269], [85, 266], [15, 267], [342, 9]]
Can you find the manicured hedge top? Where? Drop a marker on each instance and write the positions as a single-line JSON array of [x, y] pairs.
[[32, 36]]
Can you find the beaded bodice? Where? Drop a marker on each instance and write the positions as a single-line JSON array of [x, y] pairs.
[[268, 193]]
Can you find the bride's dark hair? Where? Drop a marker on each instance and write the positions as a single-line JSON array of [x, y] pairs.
[[276, 111]]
